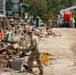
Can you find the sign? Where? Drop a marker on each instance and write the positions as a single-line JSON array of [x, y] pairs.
[[2, 8]]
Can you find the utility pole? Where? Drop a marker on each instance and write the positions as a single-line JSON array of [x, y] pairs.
[[19, 8]]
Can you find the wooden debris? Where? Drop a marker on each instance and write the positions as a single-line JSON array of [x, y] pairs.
[[15, 46], [9, 52]]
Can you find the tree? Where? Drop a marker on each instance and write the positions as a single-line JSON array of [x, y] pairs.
[[37, 7], [43, 7]]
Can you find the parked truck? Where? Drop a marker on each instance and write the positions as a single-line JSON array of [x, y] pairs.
[[65, 16]]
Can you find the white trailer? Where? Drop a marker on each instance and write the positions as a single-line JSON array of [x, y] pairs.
[[2, 8], [2, 13]]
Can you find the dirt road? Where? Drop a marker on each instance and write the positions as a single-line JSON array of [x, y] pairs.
[[63, 50]]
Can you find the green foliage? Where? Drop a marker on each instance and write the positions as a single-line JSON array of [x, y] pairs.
[[43, 7], [37, 7]]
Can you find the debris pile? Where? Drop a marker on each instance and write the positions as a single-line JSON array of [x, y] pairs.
[[14, 39]]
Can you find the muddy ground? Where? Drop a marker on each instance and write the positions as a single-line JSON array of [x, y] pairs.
[[62, 48]]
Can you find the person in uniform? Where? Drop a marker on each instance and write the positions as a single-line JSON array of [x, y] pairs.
[[50, 23], [34, 55]]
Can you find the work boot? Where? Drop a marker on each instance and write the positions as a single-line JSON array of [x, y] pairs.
[[30, 71], [41, 73], [26, 67]]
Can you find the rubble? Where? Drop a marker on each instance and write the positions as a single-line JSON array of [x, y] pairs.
[[13, 42]]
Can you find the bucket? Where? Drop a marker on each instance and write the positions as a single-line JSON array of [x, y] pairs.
[[15, 64]]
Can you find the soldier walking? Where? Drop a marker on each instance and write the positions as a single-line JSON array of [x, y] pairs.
[[34, 55]]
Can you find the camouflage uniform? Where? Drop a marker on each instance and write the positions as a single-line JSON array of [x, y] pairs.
[[50, 23], [35, 55]]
